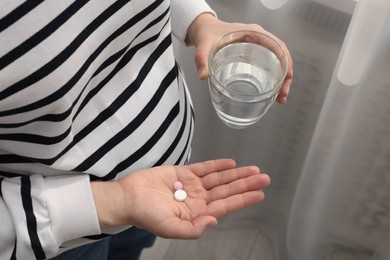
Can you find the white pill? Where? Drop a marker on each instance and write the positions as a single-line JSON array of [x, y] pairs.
[[180, 195]]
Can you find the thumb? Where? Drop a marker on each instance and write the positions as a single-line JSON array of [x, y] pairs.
[[201, 58], [201, 223]]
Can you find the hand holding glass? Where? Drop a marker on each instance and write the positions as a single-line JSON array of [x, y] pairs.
[[246, 72]]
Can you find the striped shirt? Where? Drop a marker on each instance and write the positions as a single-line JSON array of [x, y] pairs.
[[88, 90]]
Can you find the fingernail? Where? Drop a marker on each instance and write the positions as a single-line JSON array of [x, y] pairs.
[[202, 72], [212, 224]]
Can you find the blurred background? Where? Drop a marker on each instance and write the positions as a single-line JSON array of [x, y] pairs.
[[327, 150]]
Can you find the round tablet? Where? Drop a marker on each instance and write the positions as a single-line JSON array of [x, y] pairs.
[[180, 195], [178, 185]]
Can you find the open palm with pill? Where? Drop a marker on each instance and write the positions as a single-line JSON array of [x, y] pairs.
[[146, 198]]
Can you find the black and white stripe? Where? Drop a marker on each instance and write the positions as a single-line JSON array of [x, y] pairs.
[[85, 87], [20, 123], [30, 218]]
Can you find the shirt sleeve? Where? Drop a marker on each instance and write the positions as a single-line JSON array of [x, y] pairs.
[[39, 214], [183, 13]]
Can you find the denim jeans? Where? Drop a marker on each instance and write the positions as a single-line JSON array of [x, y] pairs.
[[126, 245]]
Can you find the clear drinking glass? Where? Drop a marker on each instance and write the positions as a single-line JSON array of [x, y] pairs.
[[246, 72]]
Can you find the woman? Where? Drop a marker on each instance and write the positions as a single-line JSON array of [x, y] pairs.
[[92, 105]]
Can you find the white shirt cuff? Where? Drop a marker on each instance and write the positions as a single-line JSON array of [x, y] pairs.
[[71, 207]]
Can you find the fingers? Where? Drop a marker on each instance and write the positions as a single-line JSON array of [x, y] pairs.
[[284, 91], [228, 198], [223, 177], [240, 186], [201, 58], [203, 168], [220, 208]]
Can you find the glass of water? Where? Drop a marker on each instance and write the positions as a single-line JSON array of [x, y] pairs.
[[246, 72]]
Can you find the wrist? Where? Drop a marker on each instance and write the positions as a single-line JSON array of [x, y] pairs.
[[196, 25], [109, 203]]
